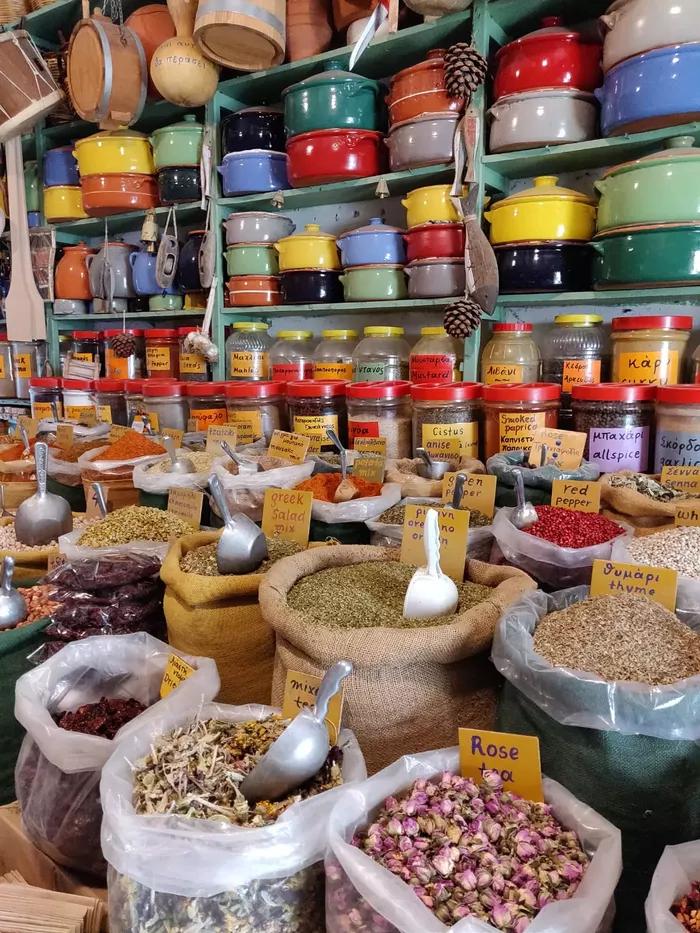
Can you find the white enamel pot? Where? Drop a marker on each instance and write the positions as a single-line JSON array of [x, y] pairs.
[[637, 26], [542, 118]]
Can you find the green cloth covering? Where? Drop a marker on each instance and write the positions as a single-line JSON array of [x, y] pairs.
[[74, 495]]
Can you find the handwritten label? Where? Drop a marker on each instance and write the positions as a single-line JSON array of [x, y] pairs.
[[576, 496], [432, 367], [687, 514], [289, 446], [611, 578], [516, 429], [192, 364], [30, 425], [466, 433], [92, 509], [454, 532], [175, 433], [249, 424], [191, 425], [64, 436], [562, 449], [479, 492], [176, 671], [358, 429], [117, 431], [648, 367], [370, 469], [619, 448], [580, 372], [300, 692], [104, 414], [23, 365], [676, 448], [515, 757], [502, 372], [287, 514], [332, 370], [249, 364], [371, 445], [89, 418], [55, 559], [314, 427], [203, 417], [216, 433], [158, 359], [683, 478], [186, 504]]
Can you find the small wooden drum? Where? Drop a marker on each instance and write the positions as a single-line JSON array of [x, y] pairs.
[[27, 88]]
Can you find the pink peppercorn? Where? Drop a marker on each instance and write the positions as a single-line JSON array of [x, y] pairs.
[[571, 528]]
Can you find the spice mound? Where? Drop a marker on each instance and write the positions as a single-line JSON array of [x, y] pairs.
[[623, 637], [71, 454], [104, 718], [471, 850], [687, 909], [202, 560], [571, 528], [134, 523], [325, 485], [130, 446], [397, 513], [647, 486], [40, 604], [202, 462], [195, 771], [677, 548], [369, 594]]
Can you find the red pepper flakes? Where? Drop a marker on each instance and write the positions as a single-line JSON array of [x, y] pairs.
[[104, 718], [687, 910], [571, 528]]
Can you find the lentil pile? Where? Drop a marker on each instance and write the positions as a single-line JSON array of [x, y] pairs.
[[687, 909], [202, 462], [368, 595], [134, 523], [467, 850], [571, 528], [625, 637], [324, 486], [397, 513], [647, 486], [677, 548], [202, 560], [104, 718]]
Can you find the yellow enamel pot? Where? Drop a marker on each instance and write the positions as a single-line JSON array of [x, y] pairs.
[[311, 249], [429, 205], [63, 203], [115, 153], [545, 212]]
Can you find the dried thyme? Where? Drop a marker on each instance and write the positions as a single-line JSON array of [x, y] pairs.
[[396, 514], [647, 486], [202, 560]]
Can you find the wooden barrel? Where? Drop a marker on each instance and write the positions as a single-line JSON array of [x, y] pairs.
[[248, 35], [27, 89]]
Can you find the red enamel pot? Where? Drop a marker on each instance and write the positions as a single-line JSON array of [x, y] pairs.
[[327, 156], [433, 241], [550, 57]]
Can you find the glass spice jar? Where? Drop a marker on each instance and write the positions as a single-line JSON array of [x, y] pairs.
[[207, 404], [445, 411], [162, 353], [436, 357], [381, 409], [110, 401], [514, 412], [333, 355], [165, 403], [7, 383], [511, 355], [248, 351], [77, 398], [382, 355], [574, 352], [134, 398], [46, 398], [677, 426], [125, 367], [86, 346], [257, 409], [315, 405], [292, 356], [648, 350], [28, 360], [618, 419], [193, 367]]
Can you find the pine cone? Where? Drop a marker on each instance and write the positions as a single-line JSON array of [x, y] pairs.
[[123, 345], [465, 70], [462, 318]]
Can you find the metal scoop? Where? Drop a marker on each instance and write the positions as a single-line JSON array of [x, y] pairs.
[[13, 608], [431, 469], [42, 517], [244, 466], [177, 464], [298, 754], [100, 498], [242, 546], [458, 491], [430, 592], [524, 515], [346, 489], [25, 440], [4, 513]]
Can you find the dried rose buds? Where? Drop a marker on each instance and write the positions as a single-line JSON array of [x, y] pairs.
[[687, 909]]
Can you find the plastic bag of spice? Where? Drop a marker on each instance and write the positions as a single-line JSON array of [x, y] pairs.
[[70, 549], [405, 473], [246, 492], [157, 482], [58, 771], [356, 510], [676, 873], [184, 873], [642, 510], [363, 896], [538, 479]]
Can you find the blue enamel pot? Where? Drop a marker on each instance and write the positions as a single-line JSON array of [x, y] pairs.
[[254, 171], [143, 272], [375, 244], [650, 91], [60, 168]]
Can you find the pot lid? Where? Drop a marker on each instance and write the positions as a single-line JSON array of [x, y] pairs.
[[545, 187], [186, 125], [678, 147], [110, 134], [552, 28], [277, 110], [434, 59], [310, 232], [376, 225], [333, 73]]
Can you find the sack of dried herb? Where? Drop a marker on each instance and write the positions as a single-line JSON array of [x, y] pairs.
[[504, 466], [405, 473], [640, 500], [151, 478], [219, 617], [677, 872], [628, 749], [246, 492], [185, 872], [365, 897], [423, 679], [58, 772]]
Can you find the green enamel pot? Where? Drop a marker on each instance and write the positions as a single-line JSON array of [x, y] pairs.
[[648, 256], [333, 99], [374, 283], [179, 144], [252, 259]]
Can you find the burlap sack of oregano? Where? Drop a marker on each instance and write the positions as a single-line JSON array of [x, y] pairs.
[[411, 688], [405, 473], [219, 618], [642, 512]]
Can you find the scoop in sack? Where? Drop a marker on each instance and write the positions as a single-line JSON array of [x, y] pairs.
[[43, 517], [242, 546], [430, 592]]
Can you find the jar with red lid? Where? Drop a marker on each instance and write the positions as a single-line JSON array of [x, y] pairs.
[[86, 346], [125, 367], [677, 426], [77, 398], [193, 367], [7, 383], [257, 409], [134, 398], [445, 412], [110, 401], [618, 421], [165, 403], [162, 353], [381, 409], [513, 413], [511, 355], [207, 404], [648, 349], [45, 397], [315, 405]]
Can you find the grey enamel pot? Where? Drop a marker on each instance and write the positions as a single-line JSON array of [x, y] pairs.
[[257, 227], [436, 278], [426, 140]]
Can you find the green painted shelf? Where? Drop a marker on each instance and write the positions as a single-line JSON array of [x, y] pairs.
[[155, 114], [518, 17], [48, 21], [73, 230], [687, 294], [67, 322], [341, 307], [14, 403]]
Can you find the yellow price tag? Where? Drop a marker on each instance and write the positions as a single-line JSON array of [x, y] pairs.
[[613, 578], [176, 671], [576, 495], [683, 478], [287, 514], [687, 514], [289, 446], [454, 531], [216, 433], [479, 492], [370, 445], [300, 693], [562, 449], [186, 504], [515, 757]]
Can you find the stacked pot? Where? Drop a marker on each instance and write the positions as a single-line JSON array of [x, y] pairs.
[[116, 172], [373, 258], [309, 267], [434, 244], [71, 281], [543, 89], [333, 122], [252, 259], [422, 115], [177, 150], [254, 160], [62, 195]]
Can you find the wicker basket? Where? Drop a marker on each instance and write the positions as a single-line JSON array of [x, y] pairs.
[[12, 10]]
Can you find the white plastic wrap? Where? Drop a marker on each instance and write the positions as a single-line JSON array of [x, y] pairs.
[[357, 510], [402, 911], [63, 471], [246, 492], [576, 698], [71, 550], [90, 460], [149, 480], [548, 563], [678, 868]]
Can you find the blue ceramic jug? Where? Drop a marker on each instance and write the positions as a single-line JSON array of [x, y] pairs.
[[143, 270]]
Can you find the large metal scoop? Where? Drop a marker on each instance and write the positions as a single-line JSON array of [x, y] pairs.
[[346, 489], [429, 468], [430, 593], [524, 515], [179, 465], [42, 517], [242, 546], [244, 465], [298, 754], [98, 489], [13, 608]]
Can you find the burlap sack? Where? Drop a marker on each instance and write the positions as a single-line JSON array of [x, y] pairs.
[[411, 688], [219, 618], [413, 485], [643, 513], [36, 559]]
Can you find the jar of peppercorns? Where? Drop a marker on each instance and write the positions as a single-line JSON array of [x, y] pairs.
[[207, 402], [315, 406], [618, 420], [445, 412], [514, 412]]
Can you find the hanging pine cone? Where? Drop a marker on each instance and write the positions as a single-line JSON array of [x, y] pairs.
[[462, 318], [123, 345], [465, 70]]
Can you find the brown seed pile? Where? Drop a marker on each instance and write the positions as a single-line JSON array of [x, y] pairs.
[[202, 560], [621, 637], [134, 523]]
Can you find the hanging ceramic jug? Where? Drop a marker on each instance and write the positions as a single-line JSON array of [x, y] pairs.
[[122, 285], [71, 278], [143, 271], [179, 70]]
